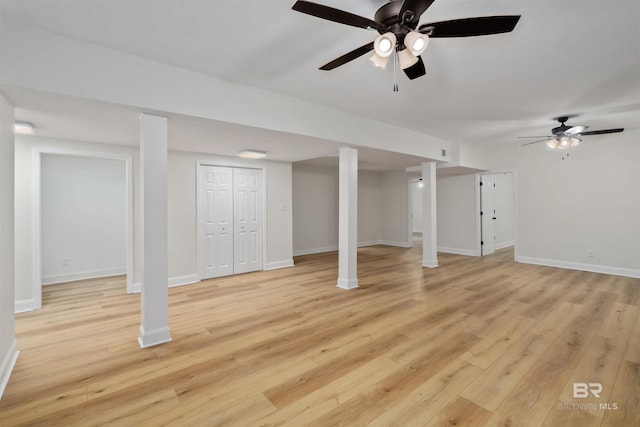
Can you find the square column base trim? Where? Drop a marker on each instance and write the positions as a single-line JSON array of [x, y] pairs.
[[347, 283], [154, 337], [430, 263]]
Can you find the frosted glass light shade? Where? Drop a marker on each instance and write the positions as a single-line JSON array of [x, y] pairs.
[[379, 61], [416, 42], [385, 44]]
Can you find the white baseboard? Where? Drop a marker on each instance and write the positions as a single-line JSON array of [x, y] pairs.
[[137, 286], [275, 265], [457, 251], [616, 271], [154, 337], [368, 243], [334, 248], [504, 245], [318, 250], [8, 363], [173, 282], [25, 305], [82, 275], [188, 279], [394, 243]]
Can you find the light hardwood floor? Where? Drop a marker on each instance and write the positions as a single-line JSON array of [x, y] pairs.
[[477, 341]]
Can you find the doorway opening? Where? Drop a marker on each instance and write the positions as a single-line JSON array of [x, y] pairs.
[[83, 217], [496, 219], [415, 212]]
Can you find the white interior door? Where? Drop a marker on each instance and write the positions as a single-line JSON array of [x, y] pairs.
[[216, 220], [488, 214], [247, 220]]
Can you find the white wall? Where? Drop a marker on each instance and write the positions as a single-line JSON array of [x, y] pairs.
[[456, 198], [279, 215], [416, 206], [369, 202], [505, 210], [181, 214], [315, 208], [8, 345], [589, 202], [394, 212], [83, 217]]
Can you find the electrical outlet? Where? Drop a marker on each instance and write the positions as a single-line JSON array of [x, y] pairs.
[[592, 253], [65, 261]]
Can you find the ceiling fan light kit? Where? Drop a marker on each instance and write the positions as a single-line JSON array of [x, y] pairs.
[[563, 142], [397, 23], [564, 136]]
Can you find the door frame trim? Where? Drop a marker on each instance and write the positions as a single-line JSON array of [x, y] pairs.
[[515, 209], [229, 164]]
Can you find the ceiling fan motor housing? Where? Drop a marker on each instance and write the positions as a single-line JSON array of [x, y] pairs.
[[562, 128], [388, 15]]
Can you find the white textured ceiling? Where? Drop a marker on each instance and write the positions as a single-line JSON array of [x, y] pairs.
[[564, 57]]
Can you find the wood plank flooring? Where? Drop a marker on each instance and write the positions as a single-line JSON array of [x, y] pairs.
[[477, 342]]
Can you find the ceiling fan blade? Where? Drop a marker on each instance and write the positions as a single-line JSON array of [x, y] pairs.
[[335, 15], [350, 56], [467, 27], [416, 70], [416, 7], [538, 136], [535, 142], [600, 132], [576, 129]]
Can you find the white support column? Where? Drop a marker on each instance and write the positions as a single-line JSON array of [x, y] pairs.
[[154, 329], [429, 220], [348, 219]]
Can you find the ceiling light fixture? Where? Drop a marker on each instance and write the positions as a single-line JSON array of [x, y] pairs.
[[252, 154], [416, 42], [23, 128], [379, 61], [384, 44], [562, 142]]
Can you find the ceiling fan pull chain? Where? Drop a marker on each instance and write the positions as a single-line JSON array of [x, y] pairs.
[[395, 67]]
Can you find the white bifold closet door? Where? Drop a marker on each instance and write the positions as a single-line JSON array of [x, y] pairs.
[[247, 226], [230, 217]]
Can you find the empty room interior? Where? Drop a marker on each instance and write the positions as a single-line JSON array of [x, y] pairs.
[[363, 213]]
